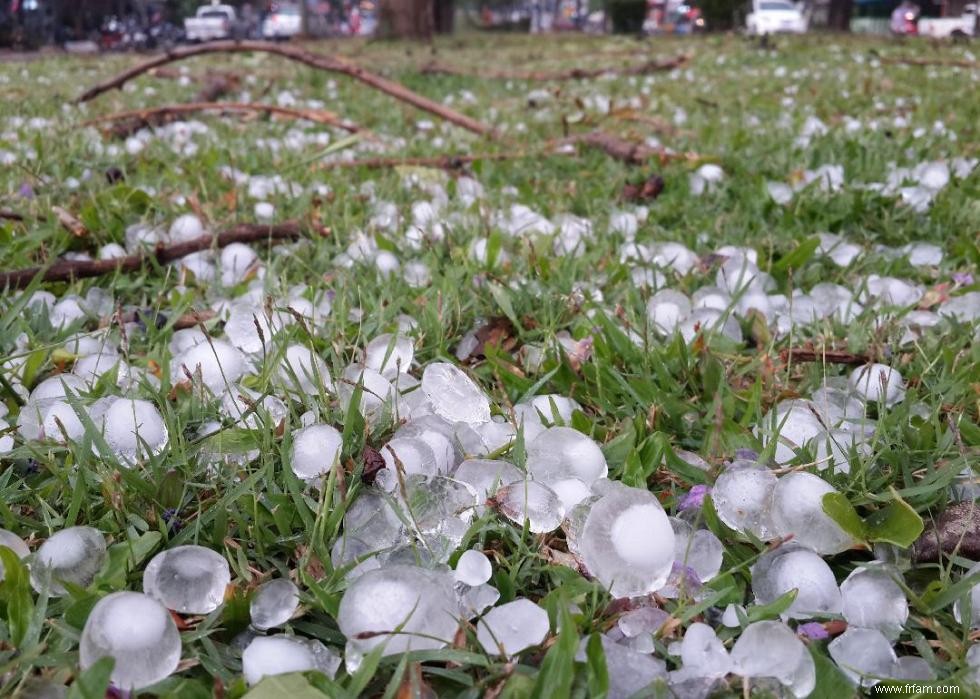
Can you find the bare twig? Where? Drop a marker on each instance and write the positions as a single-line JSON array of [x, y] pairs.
[[910, 61], [67, 270], [545, 75], [69, 222], [616, 147], [7, 215], [130, 121], [803, 354], [332, 64]]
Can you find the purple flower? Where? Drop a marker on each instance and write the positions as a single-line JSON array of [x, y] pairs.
[[963, 278], [813, 630], [26, 191], [747, 454], [695, 498]]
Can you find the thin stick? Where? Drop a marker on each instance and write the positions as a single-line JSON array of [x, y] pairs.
[[8, 215], [332, 64], [954, 62], [68, 270], [618, 148], [800, 354], [545, 75], [156, 115]]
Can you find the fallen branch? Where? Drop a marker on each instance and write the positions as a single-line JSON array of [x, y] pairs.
[[188, 320], [618, 148], [332, 64], [801, 354], [69, 270], [131, 121], [572, 74], [954, 62], [7, 215]]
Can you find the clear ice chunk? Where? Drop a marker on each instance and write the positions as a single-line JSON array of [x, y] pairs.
[[512, 627], [273, 604], [771, 649], [315, 451], [402, 607], [187, 579], [531, 502], [134, 429], [878, 383], [792, 567], [743, 500], [873, 599], [797, 510], [278, 655], [218, 363], [473, 568], [138, 633], [864, 655], [453, 395], [627, 542], [74, 555], [560, 453]]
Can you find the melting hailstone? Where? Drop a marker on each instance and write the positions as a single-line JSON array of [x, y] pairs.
[[187, 579]]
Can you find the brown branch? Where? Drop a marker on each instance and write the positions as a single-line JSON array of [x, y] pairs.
[[332, 64], [8, 215], [614, 146], [572, 74], [128, 122], [68, 270], [954, 62], [802, 354], [449, 161]]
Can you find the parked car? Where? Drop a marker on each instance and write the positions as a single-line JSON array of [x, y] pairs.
[[283, 22], [775, 16], [211, 22], [940, 27]]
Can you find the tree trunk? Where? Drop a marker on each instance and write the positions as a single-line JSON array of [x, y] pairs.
[[839, 14], [407, 19], [444, 15]]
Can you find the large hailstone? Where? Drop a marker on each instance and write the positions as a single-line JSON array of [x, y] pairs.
[[315, 451], [797, 510], [138, 633], [742, 498], [792, 567], [771, 649], [134, 429], [559, 453], [453, 395], [512, 627], [874, 600], [878, 383], [279, 655], [627, 542], [73, 555], [419, 603], [218, 363], [188, 579], [273, 604]]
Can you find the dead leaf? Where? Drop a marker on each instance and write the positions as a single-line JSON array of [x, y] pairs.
[[70, 223], [648, 190]]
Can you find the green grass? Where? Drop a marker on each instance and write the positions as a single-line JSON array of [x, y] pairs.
[[642, 403]]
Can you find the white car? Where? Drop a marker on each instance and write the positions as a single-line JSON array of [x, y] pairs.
[[211, 22], [773, 17], [962, 26], [282, 23]]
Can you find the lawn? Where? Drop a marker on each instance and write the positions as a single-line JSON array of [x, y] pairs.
[[815, 198]]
